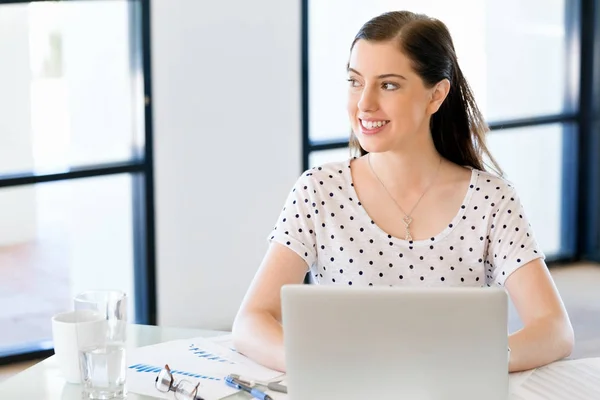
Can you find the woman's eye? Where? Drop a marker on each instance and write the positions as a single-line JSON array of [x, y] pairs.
[[353, 82], [389, 86]]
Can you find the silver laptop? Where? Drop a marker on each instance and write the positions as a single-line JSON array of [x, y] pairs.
[[395, 343]]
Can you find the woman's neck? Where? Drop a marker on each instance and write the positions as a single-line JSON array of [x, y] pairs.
[[407, 170]]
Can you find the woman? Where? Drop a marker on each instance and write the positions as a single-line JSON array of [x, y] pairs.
[[415, 207]]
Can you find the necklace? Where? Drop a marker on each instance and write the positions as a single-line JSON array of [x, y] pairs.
[[407, 219]]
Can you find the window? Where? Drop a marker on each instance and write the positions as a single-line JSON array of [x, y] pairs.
[[76, 194]]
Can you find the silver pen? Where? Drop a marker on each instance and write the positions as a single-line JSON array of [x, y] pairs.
[[275, 386]]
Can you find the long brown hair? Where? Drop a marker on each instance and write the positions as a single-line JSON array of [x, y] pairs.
[[458, 128]]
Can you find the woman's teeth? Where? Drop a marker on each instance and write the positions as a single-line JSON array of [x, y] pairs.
[[373, 124]]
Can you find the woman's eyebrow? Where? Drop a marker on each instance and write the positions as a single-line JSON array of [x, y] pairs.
[[391, 76], [383, 76]]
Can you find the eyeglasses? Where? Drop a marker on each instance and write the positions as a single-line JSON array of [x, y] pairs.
[[183, 389]]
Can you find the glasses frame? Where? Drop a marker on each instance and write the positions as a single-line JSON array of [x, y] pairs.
[[174, 385]]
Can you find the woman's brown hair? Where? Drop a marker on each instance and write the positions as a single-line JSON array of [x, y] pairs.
[[458, 128]]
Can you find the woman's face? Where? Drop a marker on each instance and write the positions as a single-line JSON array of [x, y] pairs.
[[388, 104]]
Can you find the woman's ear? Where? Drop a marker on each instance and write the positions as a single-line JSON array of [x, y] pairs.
[[438, 95]]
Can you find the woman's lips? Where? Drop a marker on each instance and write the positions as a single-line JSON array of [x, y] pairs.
[[374, 130]]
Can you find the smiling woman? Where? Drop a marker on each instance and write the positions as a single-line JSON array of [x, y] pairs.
[[416, 207], [403, 70]]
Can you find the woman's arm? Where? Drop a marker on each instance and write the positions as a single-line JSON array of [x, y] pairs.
[[257, 330], [547, 334]]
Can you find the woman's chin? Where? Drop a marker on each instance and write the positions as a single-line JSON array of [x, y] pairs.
[[372, 146]]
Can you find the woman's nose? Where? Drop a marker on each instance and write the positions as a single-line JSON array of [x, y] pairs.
[[368, 101]]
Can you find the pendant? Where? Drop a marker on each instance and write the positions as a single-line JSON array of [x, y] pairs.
[[407, 220]]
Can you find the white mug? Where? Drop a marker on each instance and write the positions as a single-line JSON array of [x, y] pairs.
[[70, 331]]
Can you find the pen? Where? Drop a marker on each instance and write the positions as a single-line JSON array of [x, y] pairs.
[[275, 386], [253, 391]]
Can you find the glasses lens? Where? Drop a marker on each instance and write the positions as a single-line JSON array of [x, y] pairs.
[[186, 390], [163, 381]]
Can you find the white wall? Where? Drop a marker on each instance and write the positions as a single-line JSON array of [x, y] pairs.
[[227, 114]]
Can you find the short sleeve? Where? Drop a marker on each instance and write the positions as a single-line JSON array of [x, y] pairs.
[[512, 242], [295, 227]]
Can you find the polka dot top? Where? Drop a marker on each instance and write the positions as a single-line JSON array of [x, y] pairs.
[[324, 222]]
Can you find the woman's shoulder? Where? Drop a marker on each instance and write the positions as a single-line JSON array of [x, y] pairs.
[[327, 174], [489, 182]]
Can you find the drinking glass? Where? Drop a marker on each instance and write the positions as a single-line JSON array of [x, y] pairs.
[[102, 358]]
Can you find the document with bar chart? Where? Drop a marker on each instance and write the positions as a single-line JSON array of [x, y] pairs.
[[196, 360]]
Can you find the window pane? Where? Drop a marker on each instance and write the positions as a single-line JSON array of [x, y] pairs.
[[69, 96], [527, 61], [532, 159], [513, 54], [317, 158], [58, 239]]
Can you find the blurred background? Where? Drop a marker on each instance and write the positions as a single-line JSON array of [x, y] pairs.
[[149, 145]]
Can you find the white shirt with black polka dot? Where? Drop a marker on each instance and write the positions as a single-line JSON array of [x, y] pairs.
[[324, 222]]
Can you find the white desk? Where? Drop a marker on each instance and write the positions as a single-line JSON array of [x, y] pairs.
[[44, 382]]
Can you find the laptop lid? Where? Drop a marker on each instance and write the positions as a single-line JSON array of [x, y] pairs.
[[397, 343]]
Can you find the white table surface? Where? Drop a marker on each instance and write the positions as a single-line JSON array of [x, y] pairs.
[[43, 381]]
